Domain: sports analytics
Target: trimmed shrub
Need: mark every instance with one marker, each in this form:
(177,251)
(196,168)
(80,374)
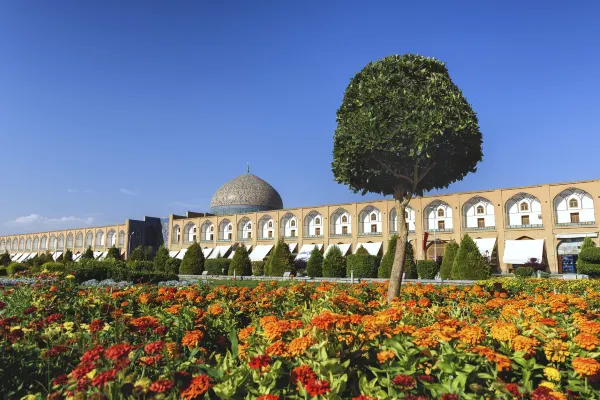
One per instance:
(151,277)
(88,255)
(113,253)
(587,268)
(160,261)
(363,265)
(361,250)
(148,253)
(469,263)
(314,266)
(524,272)
(53,266)
(3,270)
(448,260)
(68,256)
(590,255)
(410,267)
(334,265)
(218,266)
(240,263)
(172,266)
(587,243)
(92,269)
(427,269)
(140,266)
(385,267)
(193,261)
(136,255)
(15,267)
(5,259)
(280,261)
(258,268)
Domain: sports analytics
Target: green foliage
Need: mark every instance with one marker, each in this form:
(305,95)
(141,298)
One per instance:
(68,256)
(137,254)
(588,268)
(363,265)
(314,266)
(280,260)
(334,265)
(385,267)
(410,267)
(258,268)
(241,263)
(60,258)
(361,250)
(427,269)
(88,255)
(588,262)
(3,270)
(140,266)
(448,260)
(53,266)
(193,261)
(113,253)
(5,259)
(172,266)
(15,267)
(590,255)
(160,261)
(218,266)
(151,277)
(524,272)
(148,253)
(469,263)
(587,243)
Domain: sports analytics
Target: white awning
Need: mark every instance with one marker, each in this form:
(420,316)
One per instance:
(12,255)
(173,254)
(293,247)
(576,235)
(181,254)
(103,255)
(56,255)
(222,250)
(97,254)
(249,247)
(372,248)
(77,256)
(344,247)
(23,257)
(17,256)
(206,251)
(521,251)
(486,246)
(306,249)
(260,252)
(122,251)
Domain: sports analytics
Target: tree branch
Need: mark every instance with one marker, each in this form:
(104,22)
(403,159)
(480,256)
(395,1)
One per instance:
(395,173)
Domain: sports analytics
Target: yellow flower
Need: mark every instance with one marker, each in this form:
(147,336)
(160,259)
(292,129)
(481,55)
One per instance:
(68,325)
(556,351)
(144,383)
(552,374)
(106,328)
(549,385)
(70,277)
(85,327)
(558,395)
(91,374)
(29,397)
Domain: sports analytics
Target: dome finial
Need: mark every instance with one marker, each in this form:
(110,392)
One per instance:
(248,167)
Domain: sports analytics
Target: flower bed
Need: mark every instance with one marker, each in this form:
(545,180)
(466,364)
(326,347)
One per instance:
(523,338)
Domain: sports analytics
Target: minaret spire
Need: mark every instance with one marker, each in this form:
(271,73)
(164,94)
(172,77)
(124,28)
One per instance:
(248,167)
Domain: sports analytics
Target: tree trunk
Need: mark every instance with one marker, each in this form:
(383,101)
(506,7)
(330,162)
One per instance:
(398,266)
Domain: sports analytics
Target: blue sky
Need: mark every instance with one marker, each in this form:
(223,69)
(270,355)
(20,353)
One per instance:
(120,109)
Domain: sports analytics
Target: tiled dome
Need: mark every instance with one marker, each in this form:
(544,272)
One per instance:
(245,193)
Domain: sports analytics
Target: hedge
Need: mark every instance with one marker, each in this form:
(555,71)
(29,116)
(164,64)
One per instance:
(217,266)
(15,267)
(314,266)
(140,266)
(114,253)
(590,255)
(427,269)
(5,259)
(524,272)
(363,265)
(3,270)
(53,266)
(172,266)
(587,268)
(469,263)
(334,265)
(240,263)
(151,277)
(258,268)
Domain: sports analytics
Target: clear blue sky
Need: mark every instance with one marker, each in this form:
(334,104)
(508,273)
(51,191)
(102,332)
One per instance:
(118,109)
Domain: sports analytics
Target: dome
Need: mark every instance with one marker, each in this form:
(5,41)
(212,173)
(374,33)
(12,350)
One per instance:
(243,194)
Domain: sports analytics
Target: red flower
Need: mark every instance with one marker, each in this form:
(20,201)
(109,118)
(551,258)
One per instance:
(316,387)
(60,380)
(51,319)
(449,396)
(151,360)
(96,325)
(404,381)
(513,389)
(426,378)
(55,351)
(103,378)
(161,330)
(161,386)
(542,393)
(2,305)
(92,354)
(302,374)
(363,397)
(268,397)
(117,351)
(259,362)
(154,347)
(30,310)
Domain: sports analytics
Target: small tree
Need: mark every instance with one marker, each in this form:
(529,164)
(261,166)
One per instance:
(68,256)
(582,264)
(362,250)
(5,259)
(334,264)
(88,255)
(241,263)
(469,263)
(410,267)
(448,261)
(404,128)
(137,254)
(385,267)
(362,265)
(148,253)
(314,266)
(193,261)
(280,260)
(160,261)
(113,254)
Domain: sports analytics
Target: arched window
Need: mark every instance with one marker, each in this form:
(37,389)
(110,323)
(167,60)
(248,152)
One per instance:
(317,221)
(36,243)
(15,245)
(573,203)
(437,216)
(249,225)
(312,224)
(480,210)
(189,232)
(122,238)
(22,244)
(89,239)
(60,242)
(293,222)
(70,241)
(230,227)
(28,244)
(99,238)
(79,240)
(207,231)
(52,242)
(478,213)
(524,209)
(244,229)
(8,246)
(175,234)
(440,212)
(225,230)
(2,245)
(340,223)
(270,224)
(373,217)
(265,227)
(44,243)
(111,238)
(524,206)
(344,219)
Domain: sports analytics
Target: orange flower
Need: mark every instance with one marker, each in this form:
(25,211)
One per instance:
(591,327)
(300,345)
(192,339)
(174,309)
(277,349)
(525,344)
(504,331)
(502,362)
(385,355)
(197,387)
(585,366)
(556,351)
(424,303)
(586,341)
(172,349)
(145,298)
(471,335)
(245,333)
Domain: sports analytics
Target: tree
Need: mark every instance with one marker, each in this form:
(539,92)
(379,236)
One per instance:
(88,255)
(404,128)
(448,260)
(469,263)
(148,253)
(241,263)
(136,255)
(362,250)
(5,259)
(334,264)
(113,254)
(193,261)
(582,264)
(385,267)
(68,256)
(314,266)
(410,267)
(280,260)
(160,261)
